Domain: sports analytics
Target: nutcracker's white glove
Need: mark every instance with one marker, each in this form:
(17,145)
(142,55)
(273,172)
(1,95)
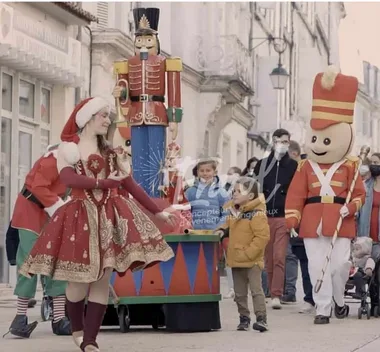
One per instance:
(293,233)
(344,212)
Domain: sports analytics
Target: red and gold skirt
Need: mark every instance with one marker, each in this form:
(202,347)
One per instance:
(82,239)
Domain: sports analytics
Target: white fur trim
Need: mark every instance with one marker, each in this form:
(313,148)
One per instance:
(89,109)
(53,208)
(51,152)
(182,207)
(328,77)
(70,152)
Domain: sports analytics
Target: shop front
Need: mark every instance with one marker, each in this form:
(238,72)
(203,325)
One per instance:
(39,70)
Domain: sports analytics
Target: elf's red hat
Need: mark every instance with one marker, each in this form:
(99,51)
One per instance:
(81,114)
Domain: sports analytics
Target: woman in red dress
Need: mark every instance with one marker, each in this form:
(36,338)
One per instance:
(98,230)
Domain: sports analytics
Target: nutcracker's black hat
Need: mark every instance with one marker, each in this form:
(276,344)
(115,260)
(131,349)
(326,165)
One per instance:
(146,20)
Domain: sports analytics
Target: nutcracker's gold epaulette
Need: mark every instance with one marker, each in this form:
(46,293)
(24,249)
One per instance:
(174,64)
(301,163)
(120,67)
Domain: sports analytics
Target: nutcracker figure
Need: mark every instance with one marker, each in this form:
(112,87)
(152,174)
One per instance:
(172,187)
(326,192)
(141,89)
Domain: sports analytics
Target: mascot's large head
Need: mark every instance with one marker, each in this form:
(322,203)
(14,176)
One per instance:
(331,135)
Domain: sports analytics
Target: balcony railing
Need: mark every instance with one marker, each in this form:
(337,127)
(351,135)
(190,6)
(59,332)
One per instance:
(226,58)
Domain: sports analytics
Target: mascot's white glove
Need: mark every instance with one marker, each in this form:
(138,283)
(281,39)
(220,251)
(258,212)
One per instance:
(219,233)
(293,233)
(344,212)
(53,208)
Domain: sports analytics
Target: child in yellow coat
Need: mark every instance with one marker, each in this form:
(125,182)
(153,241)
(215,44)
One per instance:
(247,231)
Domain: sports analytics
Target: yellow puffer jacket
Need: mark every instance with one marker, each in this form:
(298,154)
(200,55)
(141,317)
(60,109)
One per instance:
(248,232)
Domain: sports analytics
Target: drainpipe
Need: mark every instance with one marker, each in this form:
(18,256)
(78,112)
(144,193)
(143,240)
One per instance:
(91,52)
(329,34)
(78,89)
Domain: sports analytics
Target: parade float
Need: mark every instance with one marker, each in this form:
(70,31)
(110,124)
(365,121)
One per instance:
(182,294)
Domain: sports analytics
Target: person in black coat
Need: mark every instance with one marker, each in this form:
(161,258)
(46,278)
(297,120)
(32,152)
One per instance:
(275,174)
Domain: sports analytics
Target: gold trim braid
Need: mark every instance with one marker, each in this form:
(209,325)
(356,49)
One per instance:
(330,116)
(333,104)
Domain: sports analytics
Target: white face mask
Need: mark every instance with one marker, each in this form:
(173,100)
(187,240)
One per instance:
(281,149)
(363,169)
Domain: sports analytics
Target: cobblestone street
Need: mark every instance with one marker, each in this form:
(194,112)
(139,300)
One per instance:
(289,331)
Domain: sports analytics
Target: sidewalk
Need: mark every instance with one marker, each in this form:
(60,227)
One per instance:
(289,332)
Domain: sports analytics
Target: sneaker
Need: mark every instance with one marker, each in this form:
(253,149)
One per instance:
(341,312)
(244,324)
(230,294)
(276,304)
(288,299)
(306,308)
(260,325)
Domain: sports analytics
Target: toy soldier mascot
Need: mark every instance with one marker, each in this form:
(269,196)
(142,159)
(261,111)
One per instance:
(40,197)
(141,89)
(326,192)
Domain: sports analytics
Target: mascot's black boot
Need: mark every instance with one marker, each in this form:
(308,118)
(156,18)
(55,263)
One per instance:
(61,327)
(21,328)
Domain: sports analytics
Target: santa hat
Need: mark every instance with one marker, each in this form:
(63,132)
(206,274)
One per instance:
(82,114)
(334,98)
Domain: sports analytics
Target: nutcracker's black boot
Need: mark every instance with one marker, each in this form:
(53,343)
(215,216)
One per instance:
(61,327)
(21,328)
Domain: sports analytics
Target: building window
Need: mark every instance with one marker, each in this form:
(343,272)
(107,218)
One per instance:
(5,183)
(45,140)
(6,92)
(25,156)
(26,99)
(45,105)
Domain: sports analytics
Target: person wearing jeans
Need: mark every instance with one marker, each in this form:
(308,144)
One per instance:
(299,251)
(291,264)
(291,276)
(274,174)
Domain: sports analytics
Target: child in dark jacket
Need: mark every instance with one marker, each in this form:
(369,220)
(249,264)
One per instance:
(207,197)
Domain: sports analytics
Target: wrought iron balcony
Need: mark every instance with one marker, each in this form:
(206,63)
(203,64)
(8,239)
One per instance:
(227,65)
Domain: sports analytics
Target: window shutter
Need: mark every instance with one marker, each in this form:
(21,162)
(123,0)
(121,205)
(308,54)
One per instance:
(102,14)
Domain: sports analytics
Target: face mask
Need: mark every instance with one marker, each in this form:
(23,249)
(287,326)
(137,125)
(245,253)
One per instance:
(281,149)
(363,170)
(375,170)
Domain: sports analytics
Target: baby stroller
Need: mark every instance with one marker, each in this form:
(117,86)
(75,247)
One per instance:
(369,299)
(47,302)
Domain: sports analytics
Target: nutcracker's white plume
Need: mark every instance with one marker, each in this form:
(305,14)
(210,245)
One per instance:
(329,76)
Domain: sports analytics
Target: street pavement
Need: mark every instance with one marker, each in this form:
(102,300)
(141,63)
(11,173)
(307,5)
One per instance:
(289,332)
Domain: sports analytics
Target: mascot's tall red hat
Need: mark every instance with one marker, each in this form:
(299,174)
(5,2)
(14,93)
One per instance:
(334,98)
(81,114)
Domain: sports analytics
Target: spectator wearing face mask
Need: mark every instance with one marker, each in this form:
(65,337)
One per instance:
(275,174)
(233,175)
(364,171)
(250,167)
(296,251)
(368,217)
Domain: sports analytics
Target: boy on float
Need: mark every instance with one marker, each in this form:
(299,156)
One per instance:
(317,195)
